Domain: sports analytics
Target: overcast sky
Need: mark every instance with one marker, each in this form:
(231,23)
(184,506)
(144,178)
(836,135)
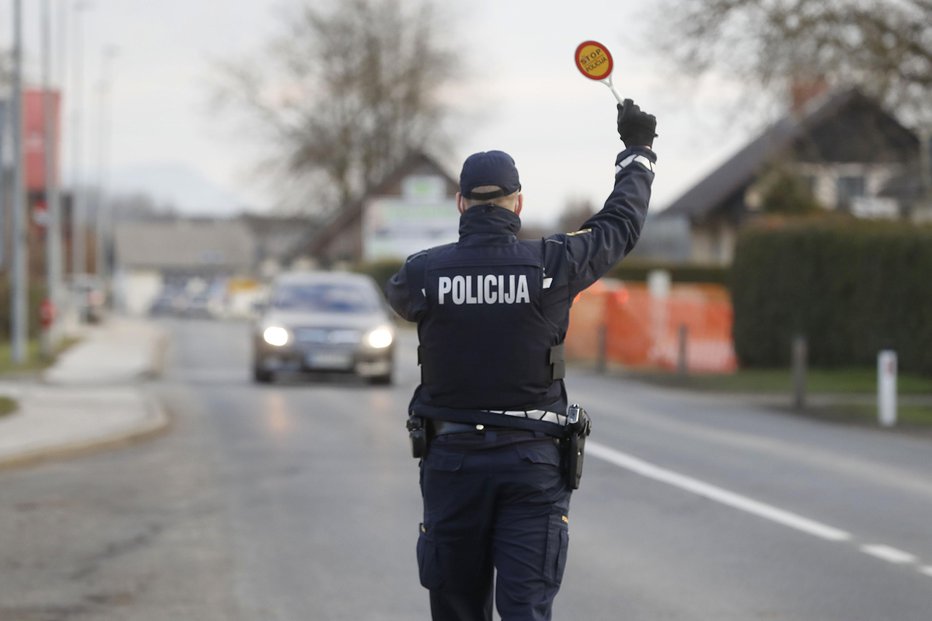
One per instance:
(523,95)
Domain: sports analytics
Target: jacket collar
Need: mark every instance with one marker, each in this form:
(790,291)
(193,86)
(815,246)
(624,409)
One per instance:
(488,220)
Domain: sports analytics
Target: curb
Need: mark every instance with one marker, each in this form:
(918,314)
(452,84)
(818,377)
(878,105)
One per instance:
(156,422)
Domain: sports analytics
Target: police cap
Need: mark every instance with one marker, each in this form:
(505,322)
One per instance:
(489,168)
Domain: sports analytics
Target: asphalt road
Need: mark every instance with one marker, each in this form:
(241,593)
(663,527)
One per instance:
(298,501)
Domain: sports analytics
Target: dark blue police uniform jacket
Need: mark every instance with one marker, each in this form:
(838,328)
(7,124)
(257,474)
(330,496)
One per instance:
(492,314)
(492,310)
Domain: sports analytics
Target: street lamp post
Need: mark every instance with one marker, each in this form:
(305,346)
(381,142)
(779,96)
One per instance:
(78,249)
(52,194)
(104,92)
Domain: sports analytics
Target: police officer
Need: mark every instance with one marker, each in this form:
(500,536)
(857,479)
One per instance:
(492,313)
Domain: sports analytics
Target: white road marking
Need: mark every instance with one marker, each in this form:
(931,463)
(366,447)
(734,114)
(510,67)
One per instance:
(891,555)
(749,505)
(718,494)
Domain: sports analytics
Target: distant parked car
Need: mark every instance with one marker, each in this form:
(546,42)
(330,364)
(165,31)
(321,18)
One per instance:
(324,321)
(196,298)
(170,301)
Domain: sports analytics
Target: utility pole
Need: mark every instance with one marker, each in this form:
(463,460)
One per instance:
(4,110)
(52,193)
(20,284)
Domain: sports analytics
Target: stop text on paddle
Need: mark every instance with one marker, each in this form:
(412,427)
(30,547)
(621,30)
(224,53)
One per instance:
(595,62)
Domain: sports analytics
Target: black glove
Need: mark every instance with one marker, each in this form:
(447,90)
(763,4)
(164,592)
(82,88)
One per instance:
(635,126)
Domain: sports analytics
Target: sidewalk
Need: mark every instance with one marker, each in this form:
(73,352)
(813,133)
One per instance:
(91,397)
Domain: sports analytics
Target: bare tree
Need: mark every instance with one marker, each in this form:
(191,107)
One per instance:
(345,93)
(882,46)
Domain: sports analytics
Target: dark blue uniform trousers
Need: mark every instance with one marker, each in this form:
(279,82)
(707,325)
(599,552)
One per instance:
(493,501)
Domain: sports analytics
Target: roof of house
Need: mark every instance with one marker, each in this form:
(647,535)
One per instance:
(792,131)
(187,245)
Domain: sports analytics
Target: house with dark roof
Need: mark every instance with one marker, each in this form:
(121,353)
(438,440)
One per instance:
(849,151)
(413,208)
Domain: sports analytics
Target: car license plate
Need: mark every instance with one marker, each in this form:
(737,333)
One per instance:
(329,360)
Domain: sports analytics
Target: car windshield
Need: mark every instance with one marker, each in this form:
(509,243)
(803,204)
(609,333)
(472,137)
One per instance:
(325,298)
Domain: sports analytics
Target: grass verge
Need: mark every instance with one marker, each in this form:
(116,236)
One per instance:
(776,381)
(908,414)
(840,395)
(33,364)
(34,361)
(7,406)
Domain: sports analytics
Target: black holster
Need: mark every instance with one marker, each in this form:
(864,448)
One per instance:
(574,446)
(417,431)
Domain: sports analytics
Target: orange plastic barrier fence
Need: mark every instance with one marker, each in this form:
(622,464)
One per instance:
(644,331)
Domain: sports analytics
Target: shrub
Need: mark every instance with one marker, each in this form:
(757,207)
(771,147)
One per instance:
(851,288)
(36,295)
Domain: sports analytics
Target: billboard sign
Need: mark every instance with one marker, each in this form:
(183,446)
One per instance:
(425,215)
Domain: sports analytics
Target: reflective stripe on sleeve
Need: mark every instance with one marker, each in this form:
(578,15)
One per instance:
(640,159)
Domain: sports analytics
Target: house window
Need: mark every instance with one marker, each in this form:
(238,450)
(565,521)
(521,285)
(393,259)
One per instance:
(848,188)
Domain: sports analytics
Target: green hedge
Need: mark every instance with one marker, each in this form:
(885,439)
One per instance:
(851,288)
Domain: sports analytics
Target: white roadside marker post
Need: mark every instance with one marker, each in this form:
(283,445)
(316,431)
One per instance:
(886,388)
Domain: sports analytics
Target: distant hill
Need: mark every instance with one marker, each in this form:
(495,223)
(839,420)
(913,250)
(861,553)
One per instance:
(179,186)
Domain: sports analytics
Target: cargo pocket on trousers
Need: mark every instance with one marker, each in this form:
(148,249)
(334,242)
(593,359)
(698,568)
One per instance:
(428,564)
(558,540)
(539,453)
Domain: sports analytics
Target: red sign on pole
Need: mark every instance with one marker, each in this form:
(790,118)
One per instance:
(34,136)
(46,313)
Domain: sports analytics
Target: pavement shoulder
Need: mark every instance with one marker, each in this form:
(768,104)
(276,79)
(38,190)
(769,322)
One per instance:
(122,350)
(93,396)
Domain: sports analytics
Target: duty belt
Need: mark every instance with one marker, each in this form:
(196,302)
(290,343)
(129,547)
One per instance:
(442,428)
(541,415)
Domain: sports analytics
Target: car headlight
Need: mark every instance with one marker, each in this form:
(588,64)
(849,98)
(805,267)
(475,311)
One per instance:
(275,336)
(380,338)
